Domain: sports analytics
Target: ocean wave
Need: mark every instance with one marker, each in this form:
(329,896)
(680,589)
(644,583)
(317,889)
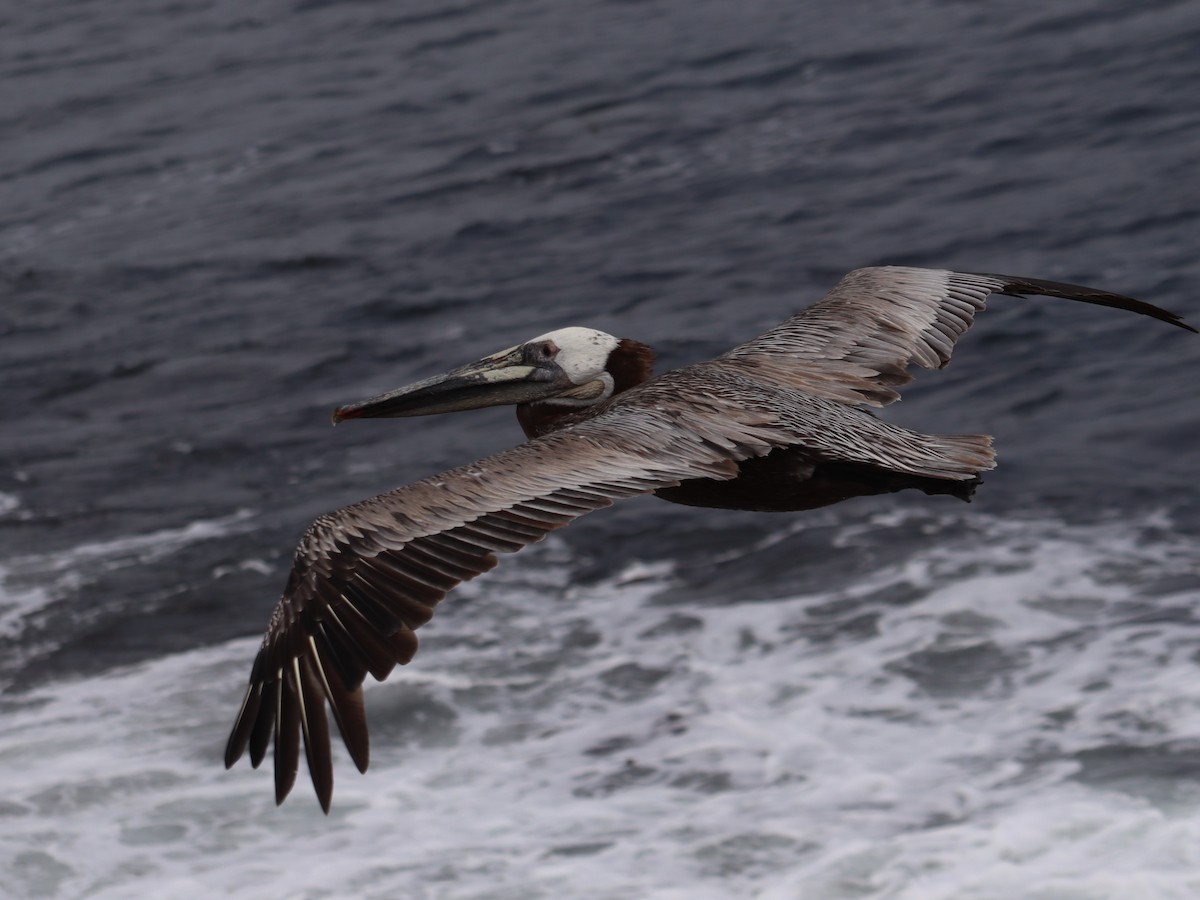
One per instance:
(1009,709)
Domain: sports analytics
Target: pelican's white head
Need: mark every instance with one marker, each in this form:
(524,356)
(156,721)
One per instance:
(580,352)
(581,355)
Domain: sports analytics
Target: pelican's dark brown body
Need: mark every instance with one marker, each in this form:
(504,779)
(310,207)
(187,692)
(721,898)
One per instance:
(790,481)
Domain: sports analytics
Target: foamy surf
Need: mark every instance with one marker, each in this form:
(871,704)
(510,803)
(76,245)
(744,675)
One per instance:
(951,726)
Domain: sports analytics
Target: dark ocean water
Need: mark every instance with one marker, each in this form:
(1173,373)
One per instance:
(220,220)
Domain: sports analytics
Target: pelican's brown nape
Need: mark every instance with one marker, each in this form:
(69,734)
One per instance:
(774,424)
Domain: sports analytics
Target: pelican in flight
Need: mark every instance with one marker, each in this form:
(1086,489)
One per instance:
(779,423)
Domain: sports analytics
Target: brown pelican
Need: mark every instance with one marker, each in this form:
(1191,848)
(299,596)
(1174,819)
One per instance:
(777,423)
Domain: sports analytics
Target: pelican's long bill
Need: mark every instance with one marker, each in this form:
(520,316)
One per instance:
(509,377)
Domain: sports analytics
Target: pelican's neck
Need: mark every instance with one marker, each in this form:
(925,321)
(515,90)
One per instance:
(630,364)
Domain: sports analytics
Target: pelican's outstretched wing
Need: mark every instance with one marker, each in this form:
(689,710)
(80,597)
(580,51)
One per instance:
(367,576)
(856,343)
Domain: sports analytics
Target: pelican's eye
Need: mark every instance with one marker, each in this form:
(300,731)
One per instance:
(543,351)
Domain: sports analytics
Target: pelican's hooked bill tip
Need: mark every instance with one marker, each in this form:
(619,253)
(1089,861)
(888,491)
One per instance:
(342,413)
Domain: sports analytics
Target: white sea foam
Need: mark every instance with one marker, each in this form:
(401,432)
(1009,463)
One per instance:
(1015,716)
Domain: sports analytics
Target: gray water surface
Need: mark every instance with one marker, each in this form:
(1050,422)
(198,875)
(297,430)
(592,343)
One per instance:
(220,220)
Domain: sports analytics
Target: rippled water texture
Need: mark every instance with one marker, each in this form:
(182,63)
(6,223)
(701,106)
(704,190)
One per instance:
(220,220)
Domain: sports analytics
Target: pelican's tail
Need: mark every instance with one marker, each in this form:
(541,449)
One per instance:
(937,464)
(958,457)
(833,432)
(945,464)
